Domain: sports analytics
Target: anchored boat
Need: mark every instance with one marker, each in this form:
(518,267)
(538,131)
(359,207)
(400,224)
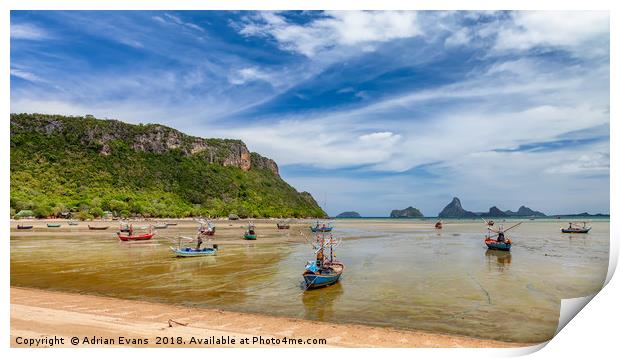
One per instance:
(53,225)
(324,270)
(439,225)
(97,227)
(250,233)
(24,227)
(131,236)
(321,227)
(498,241)
(576,229)
(193,251)
(283,226)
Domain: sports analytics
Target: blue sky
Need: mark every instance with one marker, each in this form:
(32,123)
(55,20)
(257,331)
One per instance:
(368,111)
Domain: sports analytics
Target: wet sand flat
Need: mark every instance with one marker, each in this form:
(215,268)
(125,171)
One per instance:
(37,313)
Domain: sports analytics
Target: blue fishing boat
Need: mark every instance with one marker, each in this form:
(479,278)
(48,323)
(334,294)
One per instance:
(576,229)
(321,227)
(192,252)
(324,270)
(495,245)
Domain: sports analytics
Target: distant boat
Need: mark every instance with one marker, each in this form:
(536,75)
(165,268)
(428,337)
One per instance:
(53,225)
(283,226)
(576,229)
(24,227)
(321,227)
(439,225)
(160,226)
(191,251)
(73,223)
(172,224)
(250,233)
(97,227)
(206,228)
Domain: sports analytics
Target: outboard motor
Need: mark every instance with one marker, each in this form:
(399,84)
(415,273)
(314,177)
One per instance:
(215,246)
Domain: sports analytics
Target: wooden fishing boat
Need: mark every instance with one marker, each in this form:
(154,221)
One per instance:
(24,227)
(502,242)
(139,237)
(576,229)
(53,225)
(192,252)
(160,226)
(438,225)
(324,270)
(206,228)
(171,224)
(73,223)
(250,233)
(323,277)
(283,226)
(318,227)
(97,227)
(497,245)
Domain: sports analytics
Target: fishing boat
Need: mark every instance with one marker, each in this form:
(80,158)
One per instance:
(24,227)
(139,237)
(131,236)
(439,225)
(160,226)
(192,251)
(498,241)
(73,223)
(53,225)
(283,226)
(321,227)
(171,224)
(576,229)
(97,227)
(324,270)
(206,228)
(250,233)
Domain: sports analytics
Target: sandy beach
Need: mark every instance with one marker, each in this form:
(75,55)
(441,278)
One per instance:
(38,314)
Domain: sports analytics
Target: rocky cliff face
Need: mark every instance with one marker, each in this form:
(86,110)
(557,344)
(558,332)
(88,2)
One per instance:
(495,212)
(151,138)
(409,212)
(455,210)
(524,211)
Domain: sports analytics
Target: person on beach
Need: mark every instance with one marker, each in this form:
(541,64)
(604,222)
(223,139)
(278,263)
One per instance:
(198,241)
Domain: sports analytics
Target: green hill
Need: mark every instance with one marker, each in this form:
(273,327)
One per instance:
(87,166)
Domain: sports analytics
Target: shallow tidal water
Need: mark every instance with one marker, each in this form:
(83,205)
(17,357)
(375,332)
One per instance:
(399,273)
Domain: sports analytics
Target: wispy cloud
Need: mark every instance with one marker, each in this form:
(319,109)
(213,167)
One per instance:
(25,31)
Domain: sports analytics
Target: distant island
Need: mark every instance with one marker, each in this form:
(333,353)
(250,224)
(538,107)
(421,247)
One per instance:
(455,210)
(409,212)
(349,214)
(83,167)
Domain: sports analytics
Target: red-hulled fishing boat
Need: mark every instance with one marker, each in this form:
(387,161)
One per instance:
(131,236)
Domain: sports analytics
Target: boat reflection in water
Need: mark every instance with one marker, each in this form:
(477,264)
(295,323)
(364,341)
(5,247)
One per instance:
(319,304)
(500,259)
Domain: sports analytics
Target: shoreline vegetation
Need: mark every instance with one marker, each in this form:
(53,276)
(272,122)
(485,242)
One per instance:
(85,168)
(36,313)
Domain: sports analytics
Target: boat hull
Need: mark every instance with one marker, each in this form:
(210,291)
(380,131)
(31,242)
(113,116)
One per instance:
(575,231)
(249,237)
(24,227)
(97,227)
(135,237)
(495,245)
(321,229)
(318,280)
(283,227)
(53,225)
(189,252)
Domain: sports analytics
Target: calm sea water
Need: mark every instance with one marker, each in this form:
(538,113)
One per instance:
(401,274)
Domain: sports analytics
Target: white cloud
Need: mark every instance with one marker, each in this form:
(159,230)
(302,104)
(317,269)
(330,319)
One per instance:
(248,74)
(553,28)
(336,28)
(27,32)
(25,75)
